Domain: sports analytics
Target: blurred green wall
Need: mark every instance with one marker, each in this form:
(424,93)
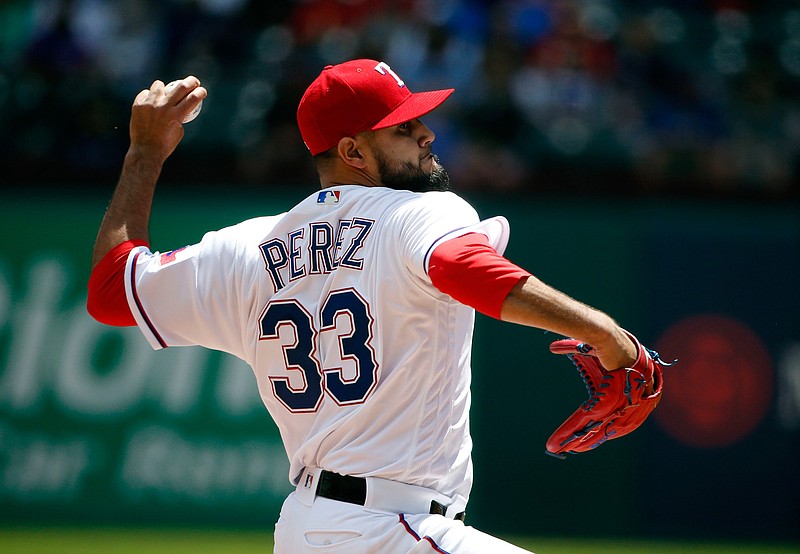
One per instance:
(97,428)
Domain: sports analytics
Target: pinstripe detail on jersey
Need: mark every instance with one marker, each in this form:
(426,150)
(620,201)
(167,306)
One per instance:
(132,277)
(433,246)
(495,229)
(416,536)
(469,270)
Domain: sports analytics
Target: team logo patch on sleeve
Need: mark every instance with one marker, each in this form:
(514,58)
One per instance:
(170,256)
(328,197)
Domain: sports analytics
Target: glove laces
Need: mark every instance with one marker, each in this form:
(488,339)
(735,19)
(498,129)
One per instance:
(657,358)
(592,390)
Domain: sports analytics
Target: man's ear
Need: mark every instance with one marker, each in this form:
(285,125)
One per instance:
(349,153)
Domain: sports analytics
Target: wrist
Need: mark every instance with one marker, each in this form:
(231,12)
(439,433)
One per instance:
(143,156)
(141,170)
(617,349)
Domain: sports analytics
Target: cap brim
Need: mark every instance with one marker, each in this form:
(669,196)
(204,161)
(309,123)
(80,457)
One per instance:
(416,105)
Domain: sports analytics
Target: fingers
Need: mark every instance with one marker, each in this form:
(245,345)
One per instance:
(158,113)
(186,96)
(177,91)
(141,97)
(174,100)
(196,96)
(190,82)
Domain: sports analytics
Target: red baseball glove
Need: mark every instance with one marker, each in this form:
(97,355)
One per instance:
(619,401)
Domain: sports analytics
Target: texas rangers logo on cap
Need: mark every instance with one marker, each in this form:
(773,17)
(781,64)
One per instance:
(328,197)
(356,96)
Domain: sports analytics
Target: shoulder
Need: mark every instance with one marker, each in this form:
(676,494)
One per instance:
(426,217)
(254,226)
(237,238)
(435,198)
(437,204)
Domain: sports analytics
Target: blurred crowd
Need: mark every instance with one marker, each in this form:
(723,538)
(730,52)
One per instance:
(652,96)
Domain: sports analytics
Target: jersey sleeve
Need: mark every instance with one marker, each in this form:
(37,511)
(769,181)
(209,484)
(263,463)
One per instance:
(469,270)
(106,301)
(195,295)
(435,218)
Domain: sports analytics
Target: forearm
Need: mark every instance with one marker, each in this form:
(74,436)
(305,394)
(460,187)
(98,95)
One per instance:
(128,213)
(533,303)
(469,270)
(155,131)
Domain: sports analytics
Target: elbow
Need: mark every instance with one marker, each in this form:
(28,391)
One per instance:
(107,301)
(108,310)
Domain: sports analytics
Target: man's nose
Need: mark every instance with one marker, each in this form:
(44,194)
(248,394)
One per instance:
(425,135)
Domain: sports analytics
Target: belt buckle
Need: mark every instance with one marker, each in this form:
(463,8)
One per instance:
(306,489)
(437,508)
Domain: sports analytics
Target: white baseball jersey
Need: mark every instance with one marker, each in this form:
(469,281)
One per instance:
(363,364)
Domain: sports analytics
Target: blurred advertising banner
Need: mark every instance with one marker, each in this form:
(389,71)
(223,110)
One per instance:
(92,416)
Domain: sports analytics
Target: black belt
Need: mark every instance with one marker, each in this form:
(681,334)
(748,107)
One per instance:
(353,490)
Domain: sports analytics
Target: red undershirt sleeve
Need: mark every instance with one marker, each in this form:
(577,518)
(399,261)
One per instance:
(107,302)
(472,272)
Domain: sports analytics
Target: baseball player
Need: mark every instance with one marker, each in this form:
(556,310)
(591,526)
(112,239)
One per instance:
(354,309)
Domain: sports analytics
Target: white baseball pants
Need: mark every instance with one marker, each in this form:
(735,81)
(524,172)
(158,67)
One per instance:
(317,525)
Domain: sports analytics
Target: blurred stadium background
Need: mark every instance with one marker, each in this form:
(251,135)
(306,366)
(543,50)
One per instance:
(681,96)
(672,127)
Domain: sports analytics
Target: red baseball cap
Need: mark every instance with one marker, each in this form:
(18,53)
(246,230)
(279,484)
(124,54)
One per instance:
(357,96)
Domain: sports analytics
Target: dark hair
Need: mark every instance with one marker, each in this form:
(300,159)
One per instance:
(324,159)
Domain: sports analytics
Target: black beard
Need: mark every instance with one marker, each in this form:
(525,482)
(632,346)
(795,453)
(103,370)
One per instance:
(411,177)
(439,179)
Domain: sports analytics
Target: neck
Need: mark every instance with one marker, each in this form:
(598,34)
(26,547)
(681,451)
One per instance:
(347,176)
